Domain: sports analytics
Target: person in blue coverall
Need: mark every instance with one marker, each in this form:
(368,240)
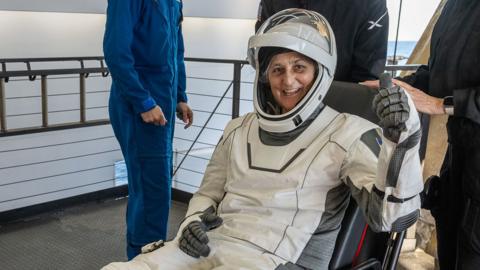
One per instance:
(143,48)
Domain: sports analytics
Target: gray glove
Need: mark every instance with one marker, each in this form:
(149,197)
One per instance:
(391,106)
(194,239)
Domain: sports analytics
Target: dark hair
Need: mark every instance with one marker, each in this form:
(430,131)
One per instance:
(266,54)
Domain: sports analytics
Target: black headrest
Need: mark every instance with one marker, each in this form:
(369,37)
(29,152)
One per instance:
(352,98)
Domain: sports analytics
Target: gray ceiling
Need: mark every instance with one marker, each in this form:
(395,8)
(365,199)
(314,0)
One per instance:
(237,9)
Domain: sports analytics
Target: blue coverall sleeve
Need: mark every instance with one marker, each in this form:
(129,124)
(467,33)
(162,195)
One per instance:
(122,16)
(182,80)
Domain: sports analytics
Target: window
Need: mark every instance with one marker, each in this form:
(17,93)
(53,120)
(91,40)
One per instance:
(414,17)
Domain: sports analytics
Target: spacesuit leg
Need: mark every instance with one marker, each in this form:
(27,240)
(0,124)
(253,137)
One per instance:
(229,253)
(168,257)
(226,253)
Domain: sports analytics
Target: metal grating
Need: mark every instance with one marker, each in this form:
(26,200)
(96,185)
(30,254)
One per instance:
(88,236)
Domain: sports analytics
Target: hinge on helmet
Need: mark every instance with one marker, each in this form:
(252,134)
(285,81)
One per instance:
(297,120)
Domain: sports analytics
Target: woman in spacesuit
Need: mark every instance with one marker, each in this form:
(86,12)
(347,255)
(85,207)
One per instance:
(279,181)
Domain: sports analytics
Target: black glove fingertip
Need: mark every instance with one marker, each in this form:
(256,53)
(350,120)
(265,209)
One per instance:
(385,80)
(205,251)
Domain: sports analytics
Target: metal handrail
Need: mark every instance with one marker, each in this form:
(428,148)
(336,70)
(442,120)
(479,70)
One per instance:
(50,59)
(83,73)
(4,73)
(409,67)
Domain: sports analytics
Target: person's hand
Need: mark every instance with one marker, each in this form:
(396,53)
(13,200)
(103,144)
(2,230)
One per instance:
(391,106)
(423,102)
(373,84)
(154,116)
(185,114)
(194,238)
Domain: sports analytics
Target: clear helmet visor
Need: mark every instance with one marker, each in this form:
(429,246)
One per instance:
(308,70)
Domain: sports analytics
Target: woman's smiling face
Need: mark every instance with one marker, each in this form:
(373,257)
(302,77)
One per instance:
(290,76)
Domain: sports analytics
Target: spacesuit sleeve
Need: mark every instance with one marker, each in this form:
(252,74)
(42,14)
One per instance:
(122,16)
(370,52)
(212,189)
(385,178)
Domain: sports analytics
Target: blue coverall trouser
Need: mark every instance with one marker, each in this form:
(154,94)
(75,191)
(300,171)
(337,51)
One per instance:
(147,150)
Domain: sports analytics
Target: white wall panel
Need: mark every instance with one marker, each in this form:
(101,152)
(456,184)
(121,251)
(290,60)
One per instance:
(60,117)
(52,196)
(236,9)
(52,184)
(98,83)
(84,6)
(54,150)
(44,169)
(64,102)
(95,114)
(217,38)
(23,106)
(244,9)
(24,121)
(63,84)
(41,167)
(11,144)
(44,34)
(21,87)
(97,99)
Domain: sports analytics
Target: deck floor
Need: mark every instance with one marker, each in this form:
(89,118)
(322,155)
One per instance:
(83,237)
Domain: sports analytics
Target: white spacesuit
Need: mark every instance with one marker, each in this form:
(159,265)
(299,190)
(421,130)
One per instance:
(281,182)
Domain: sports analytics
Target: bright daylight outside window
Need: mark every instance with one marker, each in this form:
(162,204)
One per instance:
(414,17)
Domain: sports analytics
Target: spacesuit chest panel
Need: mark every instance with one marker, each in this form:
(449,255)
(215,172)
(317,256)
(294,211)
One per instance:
(273,169)
(277,158)
(278,193)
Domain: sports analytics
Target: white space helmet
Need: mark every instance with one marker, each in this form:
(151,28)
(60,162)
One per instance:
(307,33)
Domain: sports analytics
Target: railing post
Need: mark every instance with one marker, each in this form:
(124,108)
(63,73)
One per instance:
(82,98)
(3,117)
(44,101)
(237,68)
